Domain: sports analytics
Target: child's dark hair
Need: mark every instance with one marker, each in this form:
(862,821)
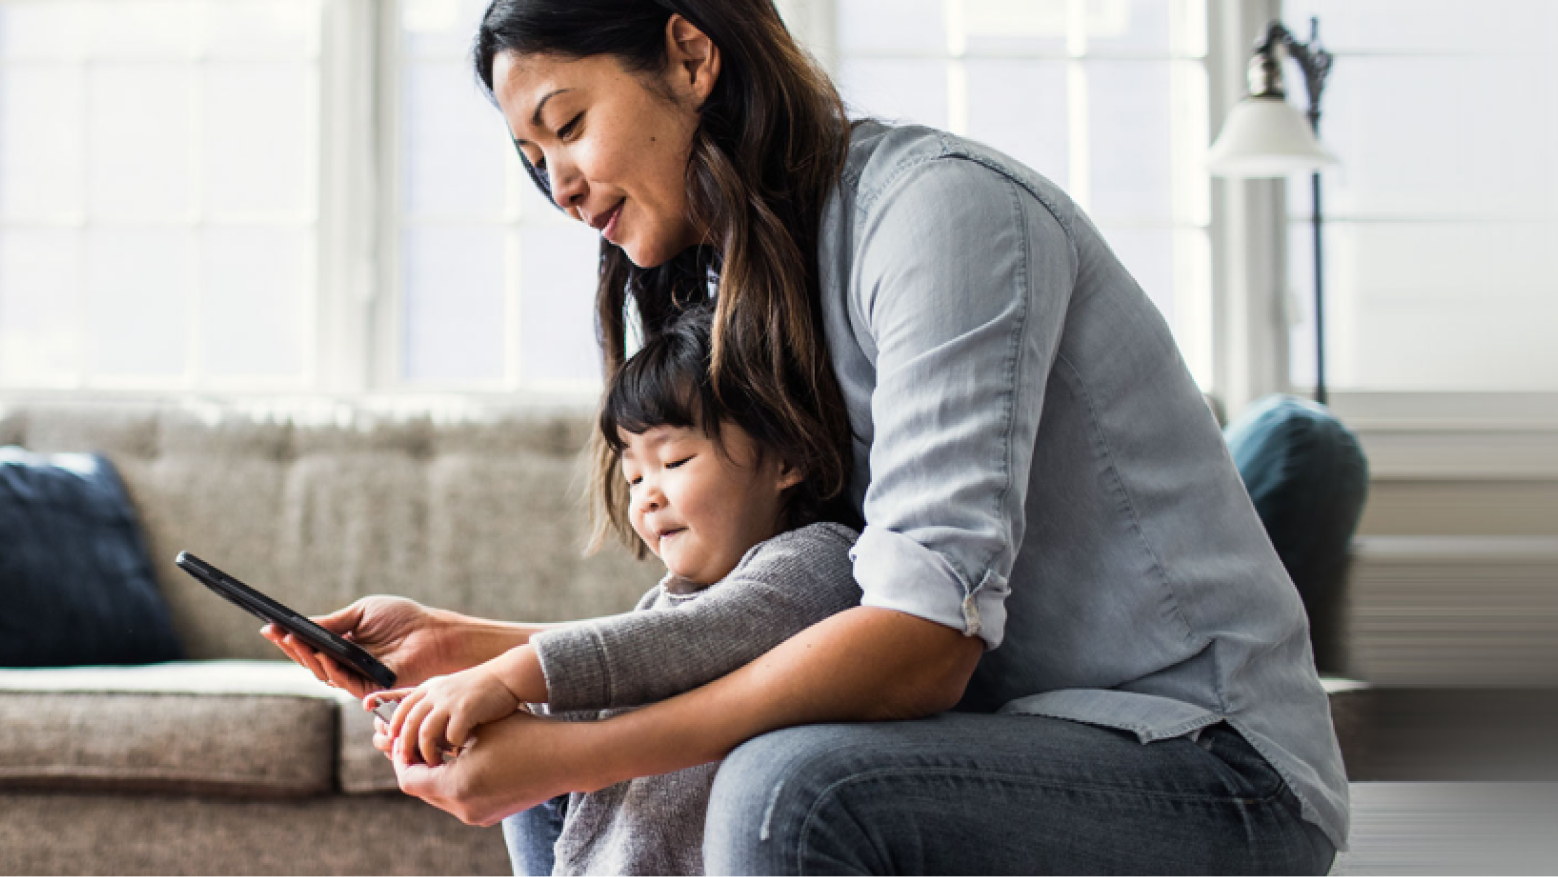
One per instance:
(667,383)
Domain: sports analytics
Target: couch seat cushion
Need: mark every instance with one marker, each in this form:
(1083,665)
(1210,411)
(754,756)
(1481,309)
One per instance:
(215,727)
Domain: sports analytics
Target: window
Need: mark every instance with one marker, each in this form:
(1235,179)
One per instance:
(159,194)
(494,287)
(315,196)
(1108,98)
(1442,213)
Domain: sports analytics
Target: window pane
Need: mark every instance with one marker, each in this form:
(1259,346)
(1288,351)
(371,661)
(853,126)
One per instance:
(894,90)
(138,294)
(1020,107)
(557,304)
(891,26)
(1134,26)
(41,112)
(41,30)
(1131,139)
(160,29)
(440,28)
(1495,157)
(40,300)
(455,143)
(1429,306)
(255,287)
(139,149)
(262,28)
(248,174)
(1016,26)
(454,309)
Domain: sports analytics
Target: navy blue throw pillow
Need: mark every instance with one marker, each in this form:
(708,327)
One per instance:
(75,581)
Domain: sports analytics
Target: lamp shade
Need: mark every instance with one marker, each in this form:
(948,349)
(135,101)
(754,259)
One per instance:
(1265,137)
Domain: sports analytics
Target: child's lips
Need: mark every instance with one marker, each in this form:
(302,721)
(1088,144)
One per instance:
(667,534)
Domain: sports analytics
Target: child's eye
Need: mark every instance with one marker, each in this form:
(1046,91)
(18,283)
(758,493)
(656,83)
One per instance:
(675,464)
(567,131)
(633,482)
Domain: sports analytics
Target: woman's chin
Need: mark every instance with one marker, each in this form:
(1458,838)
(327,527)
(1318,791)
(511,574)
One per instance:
(645,257)
(653,253)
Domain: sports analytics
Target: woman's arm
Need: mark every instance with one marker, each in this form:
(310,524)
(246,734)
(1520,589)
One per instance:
(411,639)
(864,664)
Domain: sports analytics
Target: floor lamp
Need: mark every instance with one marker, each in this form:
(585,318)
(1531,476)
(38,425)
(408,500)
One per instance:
(1264,136)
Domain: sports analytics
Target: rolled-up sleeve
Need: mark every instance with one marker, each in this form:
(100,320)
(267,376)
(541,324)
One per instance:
(962,281)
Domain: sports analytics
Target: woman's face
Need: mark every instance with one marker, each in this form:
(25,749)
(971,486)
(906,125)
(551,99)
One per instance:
(614,143)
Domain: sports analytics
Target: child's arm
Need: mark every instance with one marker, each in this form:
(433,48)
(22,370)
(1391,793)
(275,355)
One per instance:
(442,712)
(796,580)
(792,582)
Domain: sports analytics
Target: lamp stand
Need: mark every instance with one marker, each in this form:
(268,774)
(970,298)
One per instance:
(1315,63)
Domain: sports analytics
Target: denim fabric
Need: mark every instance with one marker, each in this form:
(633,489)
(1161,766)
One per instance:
(1036,466)
(1035,796)
(1308,478)
(531,836)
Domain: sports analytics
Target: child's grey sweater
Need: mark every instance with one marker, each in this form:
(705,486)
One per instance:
(676,639)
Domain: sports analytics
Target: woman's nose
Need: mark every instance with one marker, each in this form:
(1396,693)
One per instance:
(568,186)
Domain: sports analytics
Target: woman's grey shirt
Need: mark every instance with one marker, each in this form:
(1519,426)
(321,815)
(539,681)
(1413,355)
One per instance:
(1036,467)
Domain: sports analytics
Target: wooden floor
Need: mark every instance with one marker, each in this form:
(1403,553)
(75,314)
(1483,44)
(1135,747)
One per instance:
(1452,828)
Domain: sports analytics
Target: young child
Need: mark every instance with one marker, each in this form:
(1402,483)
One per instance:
(733,519)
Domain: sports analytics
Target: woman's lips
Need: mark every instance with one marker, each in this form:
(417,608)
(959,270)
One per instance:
(609,230)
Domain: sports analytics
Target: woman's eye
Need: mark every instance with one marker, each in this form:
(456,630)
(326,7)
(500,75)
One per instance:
(567,131)
(674,464)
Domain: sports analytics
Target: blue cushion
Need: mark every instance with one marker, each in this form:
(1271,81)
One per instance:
(75,580)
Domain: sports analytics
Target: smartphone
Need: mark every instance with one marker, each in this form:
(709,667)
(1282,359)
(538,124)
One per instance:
(346,653)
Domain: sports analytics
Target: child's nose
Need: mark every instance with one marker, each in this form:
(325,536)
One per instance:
(650,498)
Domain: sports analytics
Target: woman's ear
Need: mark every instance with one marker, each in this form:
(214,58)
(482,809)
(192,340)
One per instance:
(693,61)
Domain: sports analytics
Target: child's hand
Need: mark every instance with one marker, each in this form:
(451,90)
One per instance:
(441,713)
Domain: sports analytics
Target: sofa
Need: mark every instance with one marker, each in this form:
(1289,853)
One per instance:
(232,761)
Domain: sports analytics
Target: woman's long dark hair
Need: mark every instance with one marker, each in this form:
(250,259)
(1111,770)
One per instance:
(770,145)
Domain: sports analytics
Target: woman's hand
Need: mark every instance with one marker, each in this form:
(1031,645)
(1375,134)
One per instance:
(514,764)
(412,640)
(441,713)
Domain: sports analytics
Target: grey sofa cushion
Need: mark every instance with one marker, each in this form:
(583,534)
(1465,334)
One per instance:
(361,769)
(81,833)
(251,728)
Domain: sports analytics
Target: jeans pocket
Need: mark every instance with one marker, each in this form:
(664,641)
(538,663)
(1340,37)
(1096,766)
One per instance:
(1249,771)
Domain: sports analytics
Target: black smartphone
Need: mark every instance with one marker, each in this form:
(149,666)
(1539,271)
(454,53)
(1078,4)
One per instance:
(346,653)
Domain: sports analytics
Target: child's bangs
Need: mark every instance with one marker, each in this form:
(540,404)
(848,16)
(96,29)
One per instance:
(664,385)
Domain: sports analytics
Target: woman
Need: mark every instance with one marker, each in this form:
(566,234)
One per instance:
(1055,544)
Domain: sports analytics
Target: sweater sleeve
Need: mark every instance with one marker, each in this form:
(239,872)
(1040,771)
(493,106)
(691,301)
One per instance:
(779,589)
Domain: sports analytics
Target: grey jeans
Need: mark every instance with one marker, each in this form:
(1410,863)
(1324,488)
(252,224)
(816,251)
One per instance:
(964,793)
